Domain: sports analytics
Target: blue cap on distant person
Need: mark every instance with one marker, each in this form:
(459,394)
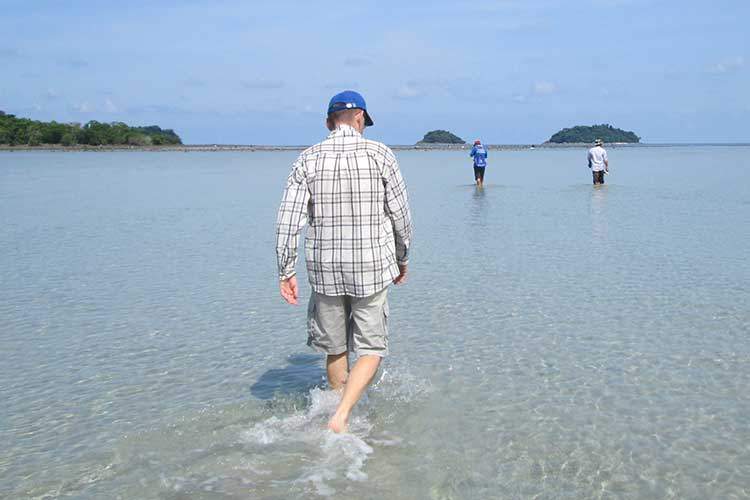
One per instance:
(349,99)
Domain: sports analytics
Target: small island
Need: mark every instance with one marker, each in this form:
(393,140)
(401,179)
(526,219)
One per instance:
(441,137)
(16,131)
(587,134)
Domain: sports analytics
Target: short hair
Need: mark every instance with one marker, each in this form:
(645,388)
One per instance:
(345,115)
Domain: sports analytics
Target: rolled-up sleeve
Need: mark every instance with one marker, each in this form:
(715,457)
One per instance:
(397,209)
(291,219)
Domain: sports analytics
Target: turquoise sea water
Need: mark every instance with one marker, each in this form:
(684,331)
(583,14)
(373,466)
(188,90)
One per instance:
(555,340)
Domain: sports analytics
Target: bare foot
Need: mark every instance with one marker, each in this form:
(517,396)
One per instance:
(339,423)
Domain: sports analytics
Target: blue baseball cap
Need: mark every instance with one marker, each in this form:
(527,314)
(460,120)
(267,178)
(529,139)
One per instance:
(349,99)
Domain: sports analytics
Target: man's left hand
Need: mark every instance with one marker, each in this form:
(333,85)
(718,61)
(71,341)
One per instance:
(401,278)
(289,290)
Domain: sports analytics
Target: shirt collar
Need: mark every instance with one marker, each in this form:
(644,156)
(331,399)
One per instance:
(344,130)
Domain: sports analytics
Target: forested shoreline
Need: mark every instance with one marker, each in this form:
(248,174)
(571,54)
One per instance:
(15,131)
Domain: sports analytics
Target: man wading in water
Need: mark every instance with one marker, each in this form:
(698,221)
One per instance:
(598,161)
(350,191)
(479,153)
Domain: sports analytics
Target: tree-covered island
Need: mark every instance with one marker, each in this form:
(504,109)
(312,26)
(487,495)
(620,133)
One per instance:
(441,137)
(16,131)
(587,134)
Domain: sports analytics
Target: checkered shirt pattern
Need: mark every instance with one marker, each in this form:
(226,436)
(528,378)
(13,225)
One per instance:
(351,192)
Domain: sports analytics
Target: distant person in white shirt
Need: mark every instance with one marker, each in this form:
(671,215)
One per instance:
(598,162)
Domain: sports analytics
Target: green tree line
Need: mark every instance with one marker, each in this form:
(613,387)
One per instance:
(16,131)
(581,133)
(441,137)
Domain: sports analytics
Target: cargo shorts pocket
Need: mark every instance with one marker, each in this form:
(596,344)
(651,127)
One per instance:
(377,343)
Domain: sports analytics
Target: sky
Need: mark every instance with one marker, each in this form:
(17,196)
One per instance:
(262,72)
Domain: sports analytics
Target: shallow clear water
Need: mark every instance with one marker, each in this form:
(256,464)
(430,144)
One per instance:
(554,341)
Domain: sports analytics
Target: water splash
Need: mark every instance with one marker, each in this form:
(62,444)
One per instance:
(328,456)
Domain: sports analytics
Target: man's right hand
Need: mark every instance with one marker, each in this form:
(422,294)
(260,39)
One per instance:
(401,278)
(289,289)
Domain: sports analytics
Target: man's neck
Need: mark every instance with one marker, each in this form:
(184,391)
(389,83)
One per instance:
(347,126)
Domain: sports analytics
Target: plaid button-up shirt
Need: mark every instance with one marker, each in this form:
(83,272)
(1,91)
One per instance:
(350,191)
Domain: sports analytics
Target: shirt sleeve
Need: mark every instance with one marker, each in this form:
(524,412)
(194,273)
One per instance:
(291,219)
(473,152)
(397,209)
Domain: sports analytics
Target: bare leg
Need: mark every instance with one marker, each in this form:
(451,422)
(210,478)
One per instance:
(337,369)
(359,378)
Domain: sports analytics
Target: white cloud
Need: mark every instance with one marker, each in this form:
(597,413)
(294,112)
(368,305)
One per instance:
(611,3)
(408,91)
(262,84)
(193,82)
(87,107)
(74,63)
(538,89)
(357,61)
(9,52)
(110,107)
(84,107)
(342,85)
(728,65)
(544,88)
(158,109)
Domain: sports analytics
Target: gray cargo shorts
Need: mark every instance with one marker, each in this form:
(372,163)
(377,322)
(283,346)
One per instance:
(337,324)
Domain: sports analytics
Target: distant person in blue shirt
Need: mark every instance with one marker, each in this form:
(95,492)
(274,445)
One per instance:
(479,153)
